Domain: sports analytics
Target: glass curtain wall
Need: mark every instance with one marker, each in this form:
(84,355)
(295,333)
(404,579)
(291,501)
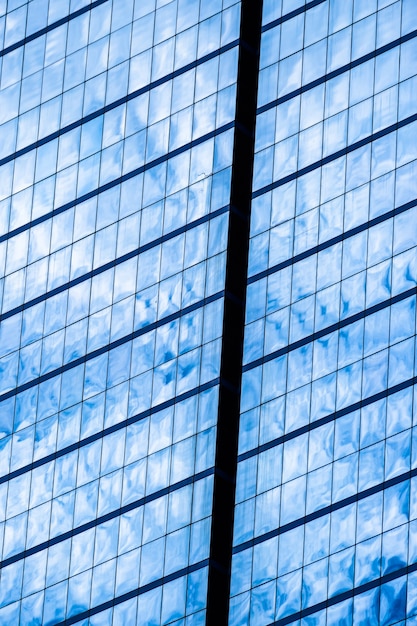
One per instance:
(326,502)
(116,118)
(117,135)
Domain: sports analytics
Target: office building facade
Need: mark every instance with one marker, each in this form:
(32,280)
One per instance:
(325,502)
(207,333)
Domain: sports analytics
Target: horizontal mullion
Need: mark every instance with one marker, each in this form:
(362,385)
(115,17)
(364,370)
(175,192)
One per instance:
(347,321)
(289,16)
(47,29)
(333,241)
(107,517)
(327,510)
(337,72)
(112,345)
(336,155)
(114,263)
(135,593)
(108,431)
(346,595)
(116,103)
(118,181)
(386,393)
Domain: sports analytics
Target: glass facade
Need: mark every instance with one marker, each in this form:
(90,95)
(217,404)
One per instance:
(117,126)
(325,524)
(122,182)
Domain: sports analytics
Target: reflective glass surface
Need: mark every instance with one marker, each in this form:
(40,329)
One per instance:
(325,496)
(117,119)
(118,161)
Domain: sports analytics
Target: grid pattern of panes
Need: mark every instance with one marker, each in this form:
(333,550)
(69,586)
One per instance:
(115,165)
(326,501)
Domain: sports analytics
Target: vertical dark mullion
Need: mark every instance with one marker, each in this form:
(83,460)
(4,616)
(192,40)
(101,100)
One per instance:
(234,316)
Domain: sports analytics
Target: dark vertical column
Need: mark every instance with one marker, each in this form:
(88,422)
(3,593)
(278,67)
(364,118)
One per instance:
(234,316)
